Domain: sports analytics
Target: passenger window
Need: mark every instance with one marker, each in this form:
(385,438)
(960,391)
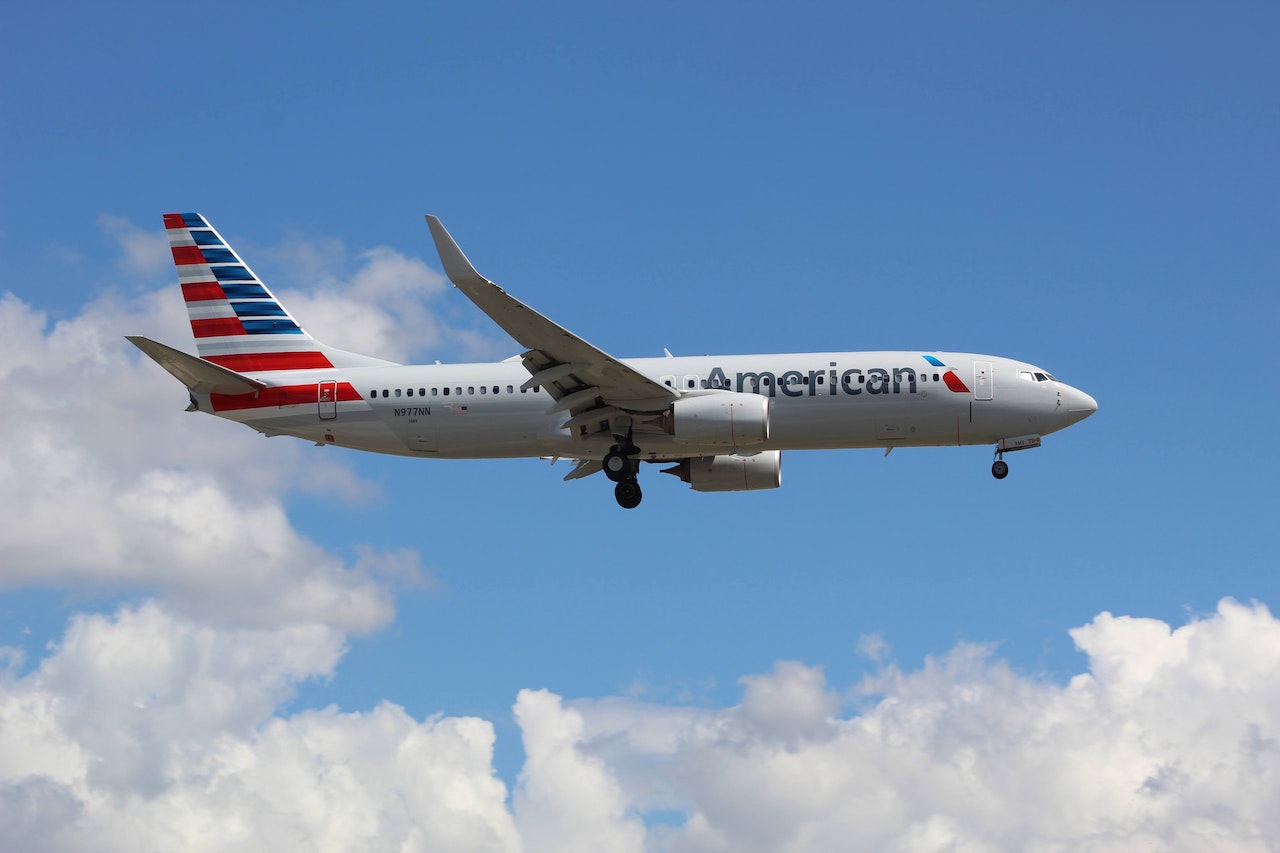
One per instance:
(458,390)
(435,392)
(483,389)
(508,389)
(397,392)
(410,392)
(446,392)
(471,389)
(385,392)
(422,392)
(373,394)
(495,389)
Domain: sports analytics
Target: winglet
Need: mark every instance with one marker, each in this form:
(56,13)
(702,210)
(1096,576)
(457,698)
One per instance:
(456,265)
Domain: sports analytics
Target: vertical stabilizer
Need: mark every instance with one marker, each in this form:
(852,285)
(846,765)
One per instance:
(236,320)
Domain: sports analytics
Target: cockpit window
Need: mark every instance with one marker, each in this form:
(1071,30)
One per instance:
(1026,374)
(1040,377)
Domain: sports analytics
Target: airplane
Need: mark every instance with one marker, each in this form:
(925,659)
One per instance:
(720,422)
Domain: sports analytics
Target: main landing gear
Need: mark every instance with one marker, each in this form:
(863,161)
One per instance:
(628,494)
(620,465)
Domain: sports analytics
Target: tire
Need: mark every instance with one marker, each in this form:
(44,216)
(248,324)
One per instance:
(617,467)
(1000,469)
(628,494)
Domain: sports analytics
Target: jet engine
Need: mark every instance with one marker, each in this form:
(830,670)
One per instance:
(729,419)
(732,472)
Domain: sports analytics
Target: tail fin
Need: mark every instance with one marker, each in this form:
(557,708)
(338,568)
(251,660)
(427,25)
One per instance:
(237,322)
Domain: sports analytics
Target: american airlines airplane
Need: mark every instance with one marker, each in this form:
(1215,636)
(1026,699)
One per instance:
(720,422)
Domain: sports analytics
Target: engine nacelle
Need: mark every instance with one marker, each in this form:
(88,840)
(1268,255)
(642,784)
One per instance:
(727,419)
(732,472)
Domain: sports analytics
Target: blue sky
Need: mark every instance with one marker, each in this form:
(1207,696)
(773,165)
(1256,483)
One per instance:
(1092,189)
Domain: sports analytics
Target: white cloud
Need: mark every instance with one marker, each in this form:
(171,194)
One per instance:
(145,250)
(1170,741)
(108,484)
(567,800)
(149,728)
(383,307)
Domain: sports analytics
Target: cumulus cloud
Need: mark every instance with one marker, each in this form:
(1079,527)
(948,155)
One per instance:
(1171,740)
(109,485)
(144,250)
(381,303)
(149,728)
(567,800)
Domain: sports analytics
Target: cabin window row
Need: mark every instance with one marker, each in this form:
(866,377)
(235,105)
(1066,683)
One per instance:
(447,391)
(669,381)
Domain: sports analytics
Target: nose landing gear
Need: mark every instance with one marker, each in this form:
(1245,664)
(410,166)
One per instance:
(1000,468)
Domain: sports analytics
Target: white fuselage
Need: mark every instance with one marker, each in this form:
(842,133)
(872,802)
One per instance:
(817,401)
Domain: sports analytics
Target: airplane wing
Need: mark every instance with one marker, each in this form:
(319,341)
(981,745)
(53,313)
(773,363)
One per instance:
(586,382)
(203,377)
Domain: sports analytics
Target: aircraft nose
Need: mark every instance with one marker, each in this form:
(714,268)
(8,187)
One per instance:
(1079,404)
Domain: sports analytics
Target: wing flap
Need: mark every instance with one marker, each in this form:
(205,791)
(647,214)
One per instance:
(584,468)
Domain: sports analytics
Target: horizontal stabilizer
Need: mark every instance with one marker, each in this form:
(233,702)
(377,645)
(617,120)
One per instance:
(203,377)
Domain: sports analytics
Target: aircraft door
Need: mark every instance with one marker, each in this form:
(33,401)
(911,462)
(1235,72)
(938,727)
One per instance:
(984,385)
(327,399)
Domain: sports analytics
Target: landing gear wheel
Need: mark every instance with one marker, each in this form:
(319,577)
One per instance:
(617,466)
(999,469)
(628,493)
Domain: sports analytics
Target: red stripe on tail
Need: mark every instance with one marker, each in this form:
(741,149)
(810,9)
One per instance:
(217,327)
(202,291)
(249,362)
(183,255)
